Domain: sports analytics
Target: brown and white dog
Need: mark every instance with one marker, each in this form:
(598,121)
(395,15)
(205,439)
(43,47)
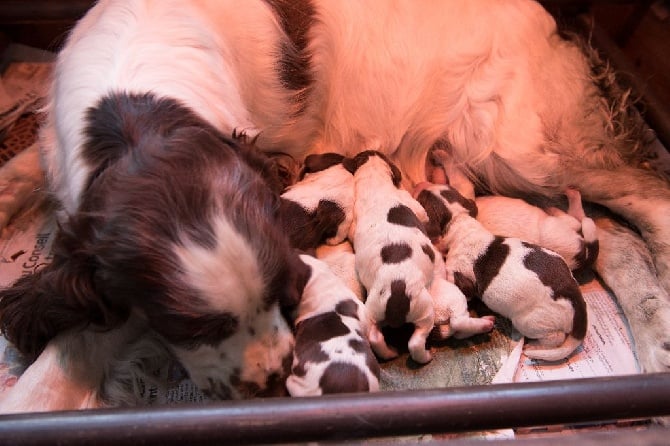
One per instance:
(332,340)
(531,286)
(319,76)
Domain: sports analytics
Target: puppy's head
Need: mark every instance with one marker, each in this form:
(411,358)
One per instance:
(318,162)
(442,203)
(178,226)
(355,163)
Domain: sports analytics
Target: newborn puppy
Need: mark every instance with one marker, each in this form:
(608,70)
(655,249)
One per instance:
(332,353)
(571,235)
(342,262)
(530,285)
(394,257)
(318,208)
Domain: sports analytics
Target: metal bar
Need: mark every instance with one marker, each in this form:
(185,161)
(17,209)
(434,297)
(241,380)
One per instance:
(338,417)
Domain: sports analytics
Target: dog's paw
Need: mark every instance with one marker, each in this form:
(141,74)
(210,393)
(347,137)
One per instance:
(653,341)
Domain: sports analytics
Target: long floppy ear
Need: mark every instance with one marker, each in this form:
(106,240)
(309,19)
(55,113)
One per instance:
(59,297)
(318,162)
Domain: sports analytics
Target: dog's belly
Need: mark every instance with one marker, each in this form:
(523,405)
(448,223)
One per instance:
(389,84)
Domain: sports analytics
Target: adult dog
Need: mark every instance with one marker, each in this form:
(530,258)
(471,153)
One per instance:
(522,110)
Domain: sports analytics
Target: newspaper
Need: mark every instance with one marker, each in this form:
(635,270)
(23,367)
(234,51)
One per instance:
(25,72)
(607,349)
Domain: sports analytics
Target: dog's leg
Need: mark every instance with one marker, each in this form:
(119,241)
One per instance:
(575,207)
(626,267)
(423,317)
(70,372)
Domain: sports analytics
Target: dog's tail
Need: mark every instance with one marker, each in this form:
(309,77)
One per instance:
(590,247)
(59,297)
(556,353)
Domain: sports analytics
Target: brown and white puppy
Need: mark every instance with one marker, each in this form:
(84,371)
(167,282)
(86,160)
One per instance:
(332,347)
(572,234)
(530,285)
(394,257)
(318,208)
(342,262)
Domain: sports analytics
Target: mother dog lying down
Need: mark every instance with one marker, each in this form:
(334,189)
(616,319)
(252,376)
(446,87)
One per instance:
(522,110)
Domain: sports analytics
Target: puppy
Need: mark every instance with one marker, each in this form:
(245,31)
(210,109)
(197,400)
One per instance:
(531,286)
(342,262)
(394,258)
(318,209)
(571,235)
(332,351)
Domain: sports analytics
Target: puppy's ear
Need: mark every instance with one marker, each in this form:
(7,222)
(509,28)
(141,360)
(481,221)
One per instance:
(298,276)
(352,164)
(318,162)
(59,297)
(396,175)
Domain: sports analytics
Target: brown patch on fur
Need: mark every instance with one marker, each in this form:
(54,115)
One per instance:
(353,164)
(403,216)
(438,214)
(429,251)
(348,308)
(309,229)
(397,306)
(555,274)
(396,253)
(340,377)
(487,266)
(318,162)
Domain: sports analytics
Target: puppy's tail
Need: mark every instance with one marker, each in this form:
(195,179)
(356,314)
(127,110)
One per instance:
(556,353)
(590,247)
(59,297)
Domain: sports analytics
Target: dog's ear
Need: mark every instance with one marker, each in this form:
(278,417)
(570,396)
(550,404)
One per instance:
(318,162)
(59,297)
(299,274)
(396,175)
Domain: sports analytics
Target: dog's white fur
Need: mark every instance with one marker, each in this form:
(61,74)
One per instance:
(348,349)
(398,76)
(535,308)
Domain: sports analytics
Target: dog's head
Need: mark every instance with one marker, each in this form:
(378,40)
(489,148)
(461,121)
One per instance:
(373,157)
(442,203)
(178,224)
